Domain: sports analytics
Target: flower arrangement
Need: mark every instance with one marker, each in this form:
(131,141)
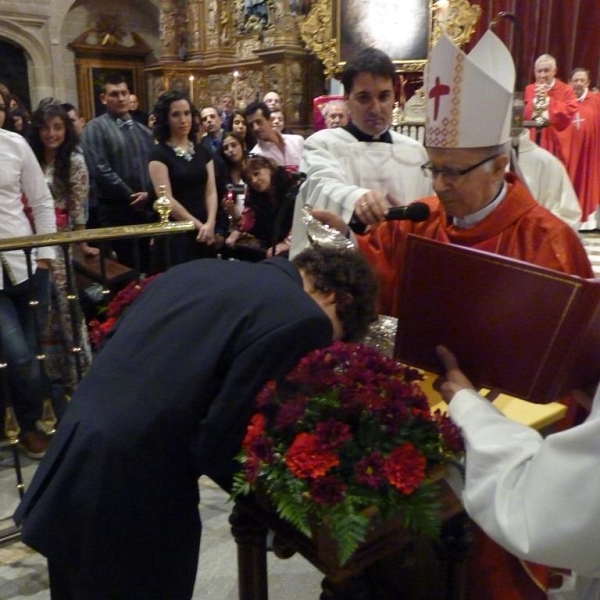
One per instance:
(116,307)
(347,441)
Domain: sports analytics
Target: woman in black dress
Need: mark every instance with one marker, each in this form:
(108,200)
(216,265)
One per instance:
(187,171)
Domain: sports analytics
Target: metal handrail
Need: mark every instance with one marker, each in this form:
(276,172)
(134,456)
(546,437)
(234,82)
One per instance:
(94,235)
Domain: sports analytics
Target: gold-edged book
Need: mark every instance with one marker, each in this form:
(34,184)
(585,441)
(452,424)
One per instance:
(524,330)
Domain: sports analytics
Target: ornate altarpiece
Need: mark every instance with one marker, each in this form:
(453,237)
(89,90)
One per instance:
(248,47)
(213,47)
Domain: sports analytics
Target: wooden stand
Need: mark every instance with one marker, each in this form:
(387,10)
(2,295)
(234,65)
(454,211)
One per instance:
(251,519)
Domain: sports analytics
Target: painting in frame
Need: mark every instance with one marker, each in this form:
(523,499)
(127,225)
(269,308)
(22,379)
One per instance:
(401,29)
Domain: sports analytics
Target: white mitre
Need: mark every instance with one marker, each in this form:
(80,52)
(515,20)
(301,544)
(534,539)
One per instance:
(469,97)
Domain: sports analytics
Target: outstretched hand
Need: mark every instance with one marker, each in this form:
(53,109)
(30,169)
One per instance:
(455,380)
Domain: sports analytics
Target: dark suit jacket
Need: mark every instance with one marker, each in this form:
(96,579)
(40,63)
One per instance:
(168,399)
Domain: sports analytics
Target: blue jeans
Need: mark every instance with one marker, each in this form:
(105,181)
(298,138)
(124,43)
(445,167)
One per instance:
(18,345)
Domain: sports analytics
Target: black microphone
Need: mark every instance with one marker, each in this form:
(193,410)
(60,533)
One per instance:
(297,177)
(416,212)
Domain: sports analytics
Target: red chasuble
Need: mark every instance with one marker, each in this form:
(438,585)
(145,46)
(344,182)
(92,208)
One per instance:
(563,106)
(583,162)
(518,228)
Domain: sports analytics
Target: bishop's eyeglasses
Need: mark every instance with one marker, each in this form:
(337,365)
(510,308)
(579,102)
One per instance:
(453,175)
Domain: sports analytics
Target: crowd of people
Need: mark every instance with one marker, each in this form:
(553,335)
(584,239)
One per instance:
(242,178)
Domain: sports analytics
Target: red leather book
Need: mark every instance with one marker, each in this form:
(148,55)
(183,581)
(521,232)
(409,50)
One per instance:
(530,332)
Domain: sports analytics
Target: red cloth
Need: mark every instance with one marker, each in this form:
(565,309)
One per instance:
(519,228)
(563,105)
(584,153)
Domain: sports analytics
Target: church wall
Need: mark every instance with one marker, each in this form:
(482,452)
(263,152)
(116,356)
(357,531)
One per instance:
(128,15)
(44,28)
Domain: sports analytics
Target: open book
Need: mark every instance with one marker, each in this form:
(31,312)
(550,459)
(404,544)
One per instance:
(527,331)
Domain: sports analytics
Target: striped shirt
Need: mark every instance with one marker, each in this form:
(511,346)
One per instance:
(117,154)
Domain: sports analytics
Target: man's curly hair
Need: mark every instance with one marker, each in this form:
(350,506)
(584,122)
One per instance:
(349,276)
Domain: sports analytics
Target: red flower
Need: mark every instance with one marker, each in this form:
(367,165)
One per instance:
(405,468)
(291,412)
(369,471)
(333,434)
(307,457)
(450,432)
(255,428)
(252,469)
(267,394)
(116,307)
(98,330)
(328,490)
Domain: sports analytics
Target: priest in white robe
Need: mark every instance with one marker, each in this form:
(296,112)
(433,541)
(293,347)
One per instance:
(548,181)
(537,497)
(365,167)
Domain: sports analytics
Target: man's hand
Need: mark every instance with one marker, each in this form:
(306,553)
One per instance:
(139,199)
(372,207)
(456,380)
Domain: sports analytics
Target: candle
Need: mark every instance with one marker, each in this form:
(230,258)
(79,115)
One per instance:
(235,91)
(191,88)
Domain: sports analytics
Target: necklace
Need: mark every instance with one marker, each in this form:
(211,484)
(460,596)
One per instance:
(181,153)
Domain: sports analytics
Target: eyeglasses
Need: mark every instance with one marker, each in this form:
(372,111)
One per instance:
(454,174)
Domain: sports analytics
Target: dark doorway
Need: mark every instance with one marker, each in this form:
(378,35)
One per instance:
(13,71)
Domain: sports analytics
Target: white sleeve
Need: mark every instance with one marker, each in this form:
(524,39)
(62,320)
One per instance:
(538,498)
(328,182)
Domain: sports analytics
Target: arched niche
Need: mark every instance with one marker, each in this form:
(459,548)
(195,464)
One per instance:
(80,53)
(37,57)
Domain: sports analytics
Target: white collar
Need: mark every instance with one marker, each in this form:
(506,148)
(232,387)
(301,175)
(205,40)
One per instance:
(476,217)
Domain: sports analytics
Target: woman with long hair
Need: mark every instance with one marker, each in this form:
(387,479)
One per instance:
(268,210)
(186,170)
(54,142)
(6,120)
(240,125)
(233,151)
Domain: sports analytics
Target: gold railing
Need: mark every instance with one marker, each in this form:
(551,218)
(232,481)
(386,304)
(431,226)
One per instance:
(94,235)
(65,240)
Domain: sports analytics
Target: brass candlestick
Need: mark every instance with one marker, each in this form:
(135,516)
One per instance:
(162,205)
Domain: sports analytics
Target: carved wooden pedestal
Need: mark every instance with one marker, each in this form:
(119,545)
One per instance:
(391,562)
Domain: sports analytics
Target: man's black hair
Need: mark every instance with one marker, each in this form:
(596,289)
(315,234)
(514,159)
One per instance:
(368,60)
(255,107)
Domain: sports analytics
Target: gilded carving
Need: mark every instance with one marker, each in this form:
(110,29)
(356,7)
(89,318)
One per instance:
(168,29)
(212,32)
(254,16)
(459,23)
(194,28)
(317,31)
(173,29)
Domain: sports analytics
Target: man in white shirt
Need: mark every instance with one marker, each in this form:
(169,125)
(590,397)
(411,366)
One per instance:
(284,148)
(20,174)
(364,167)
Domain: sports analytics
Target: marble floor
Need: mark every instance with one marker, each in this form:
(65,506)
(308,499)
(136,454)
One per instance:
(23,574)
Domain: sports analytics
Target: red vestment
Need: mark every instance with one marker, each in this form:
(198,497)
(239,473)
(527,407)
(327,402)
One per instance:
(583,162)
(518,228)
(562,107)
